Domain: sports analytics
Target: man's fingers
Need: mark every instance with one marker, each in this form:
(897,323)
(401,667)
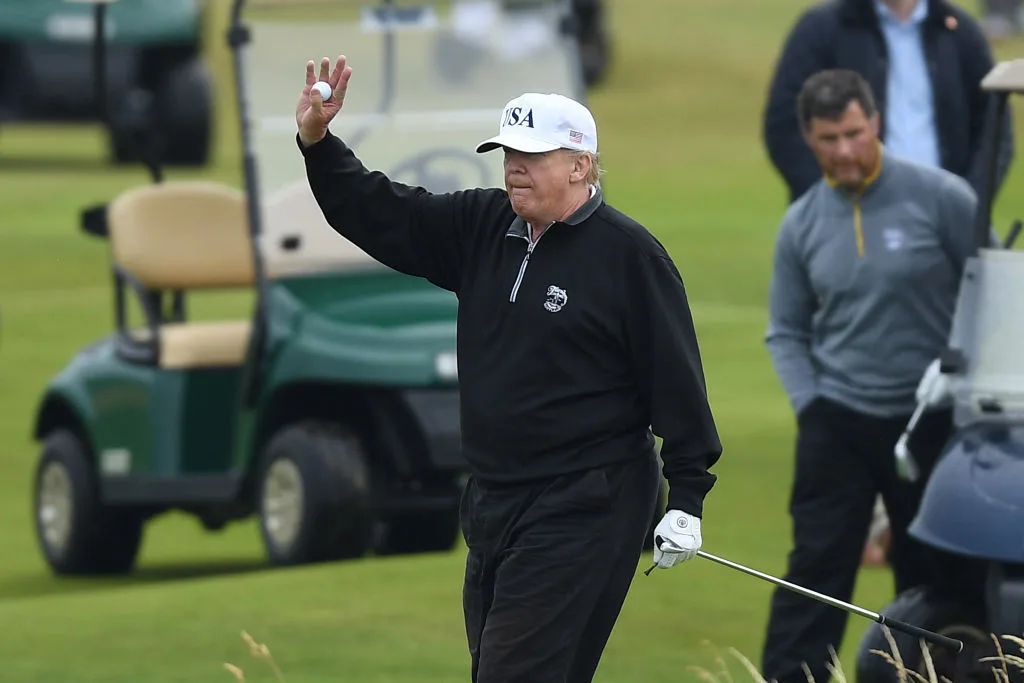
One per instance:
(342,88)
(325,69)
(339,79)
(310,77)
(316,103)
(339,67)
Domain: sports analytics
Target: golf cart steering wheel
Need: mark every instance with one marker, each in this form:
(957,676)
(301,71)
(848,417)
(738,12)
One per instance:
(439,180)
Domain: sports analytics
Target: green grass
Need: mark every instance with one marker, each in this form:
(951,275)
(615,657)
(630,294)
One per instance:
(679,120)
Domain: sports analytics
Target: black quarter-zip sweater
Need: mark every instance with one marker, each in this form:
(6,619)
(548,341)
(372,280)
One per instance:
(571,349)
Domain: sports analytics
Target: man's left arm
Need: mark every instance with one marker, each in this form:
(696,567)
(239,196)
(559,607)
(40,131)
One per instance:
(671,379)
(957,204)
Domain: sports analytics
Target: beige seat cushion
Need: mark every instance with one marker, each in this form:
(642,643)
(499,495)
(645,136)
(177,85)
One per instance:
(182,235)
(205,344)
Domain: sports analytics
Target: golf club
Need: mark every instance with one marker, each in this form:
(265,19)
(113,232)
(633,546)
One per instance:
(944,641)
(905,465)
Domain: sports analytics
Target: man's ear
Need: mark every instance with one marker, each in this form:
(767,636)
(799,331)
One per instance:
(580,167)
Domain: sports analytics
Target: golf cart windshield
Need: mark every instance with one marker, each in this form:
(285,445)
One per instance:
(429,82)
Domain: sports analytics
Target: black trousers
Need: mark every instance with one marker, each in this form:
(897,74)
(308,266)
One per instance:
(843,460)
(549,567)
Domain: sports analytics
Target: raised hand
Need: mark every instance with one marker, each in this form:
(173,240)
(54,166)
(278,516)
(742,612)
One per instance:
(313,114)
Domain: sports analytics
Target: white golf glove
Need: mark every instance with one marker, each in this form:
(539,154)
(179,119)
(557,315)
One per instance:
(676,539)
(934,388)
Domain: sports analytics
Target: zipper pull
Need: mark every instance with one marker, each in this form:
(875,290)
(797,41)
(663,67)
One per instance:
(522,271)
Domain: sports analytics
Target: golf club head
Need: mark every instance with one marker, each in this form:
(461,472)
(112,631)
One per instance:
(906,468)
(665,546)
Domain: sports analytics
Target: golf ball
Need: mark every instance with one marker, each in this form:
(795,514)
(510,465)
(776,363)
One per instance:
(324,89)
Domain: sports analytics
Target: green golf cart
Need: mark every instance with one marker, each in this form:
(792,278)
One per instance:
(153,54)
(329,409)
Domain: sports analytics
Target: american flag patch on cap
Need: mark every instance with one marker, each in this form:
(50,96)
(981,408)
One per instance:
(576,136)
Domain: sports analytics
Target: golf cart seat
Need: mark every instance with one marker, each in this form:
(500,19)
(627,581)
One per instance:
(173,237)
(194,345)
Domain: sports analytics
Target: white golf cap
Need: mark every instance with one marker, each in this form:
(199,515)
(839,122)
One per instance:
(540,123)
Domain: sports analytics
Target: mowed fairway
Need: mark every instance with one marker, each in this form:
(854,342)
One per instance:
(679,122)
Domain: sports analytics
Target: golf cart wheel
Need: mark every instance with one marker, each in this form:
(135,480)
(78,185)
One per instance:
(595,49)
(314,496)
(935,611)
(185,111)
(77,533)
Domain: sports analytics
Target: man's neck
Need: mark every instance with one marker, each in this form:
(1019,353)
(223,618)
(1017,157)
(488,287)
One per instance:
(578,199)
(901,8)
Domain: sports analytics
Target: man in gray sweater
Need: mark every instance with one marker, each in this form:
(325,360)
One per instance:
(867,266)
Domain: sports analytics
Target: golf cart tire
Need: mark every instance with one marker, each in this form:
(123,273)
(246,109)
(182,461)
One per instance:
(595,57)
(334,520)
(185,110)
(182,120)
(100,539)
(937,611)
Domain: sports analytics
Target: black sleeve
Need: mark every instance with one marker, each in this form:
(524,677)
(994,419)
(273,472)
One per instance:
(666,356)
(976,58)
(406,228)
(805,52)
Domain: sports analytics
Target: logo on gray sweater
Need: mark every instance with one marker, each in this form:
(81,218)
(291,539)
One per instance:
(893,238)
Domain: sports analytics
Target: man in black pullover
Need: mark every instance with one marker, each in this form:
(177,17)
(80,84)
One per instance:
(570,353)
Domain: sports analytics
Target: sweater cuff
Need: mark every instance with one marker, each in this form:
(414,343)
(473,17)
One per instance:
(317,147)
(687,494)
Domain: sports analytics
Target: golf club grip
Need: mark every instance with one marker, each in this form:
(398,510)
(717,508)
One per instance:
(946,642)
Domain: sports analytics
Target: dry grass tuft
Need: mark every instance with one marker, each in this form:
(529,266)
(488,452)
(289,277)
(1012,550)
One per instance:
(1000,671)
(259,652)
(721,674)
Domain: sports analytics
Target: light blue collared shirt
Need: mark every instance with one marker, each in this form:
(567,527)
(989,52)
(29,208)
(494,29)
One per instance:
(909,119)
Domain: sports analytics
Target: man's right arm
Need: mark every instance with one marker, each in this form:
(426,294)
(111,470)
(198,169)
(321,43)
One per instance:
(791,307)
(804,53)
(406,228)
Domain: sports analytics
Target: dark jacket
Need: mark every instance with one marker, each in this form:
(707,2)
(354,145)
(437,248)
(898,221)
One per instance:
(570,349)
(847,34)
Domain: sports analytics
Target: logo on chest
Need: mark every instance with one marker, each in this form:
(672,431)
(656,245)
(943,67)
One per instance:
(556,299)
(893,238)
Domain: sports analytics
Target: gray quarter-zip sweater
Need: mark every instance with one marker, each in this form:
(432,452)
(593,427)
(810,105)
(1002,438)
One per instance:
(864,286)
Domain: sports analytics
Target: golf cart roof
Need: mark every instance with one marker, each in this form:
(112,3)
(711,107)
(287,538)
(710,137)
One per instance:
(429,82)
(1005,77)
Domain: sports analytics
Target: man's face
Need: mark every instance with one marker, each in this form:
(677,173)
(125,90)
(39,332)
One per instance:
(846,148)
(539,184)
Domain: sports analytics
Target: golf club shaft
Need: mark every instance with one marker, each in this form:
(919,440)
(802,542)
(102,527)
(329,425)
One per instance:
(944,641)
(915,418)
